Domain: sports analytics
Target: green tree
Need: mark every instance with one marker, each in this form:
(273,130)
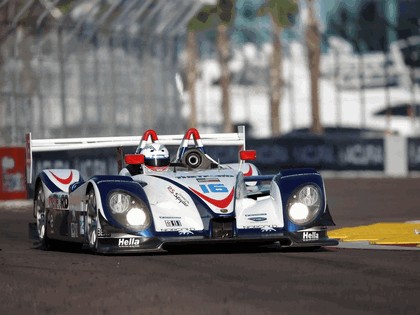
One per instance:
(279,12)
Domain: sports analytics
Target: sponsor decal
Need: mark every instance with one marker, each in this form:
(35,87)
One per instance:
(204,176)
(128,242)
(179,197)
(102,233)
(74,231)
(82,225)
(58,202)
(255,214)
(267,229)
(51,221)
(257,219)
(182,231)
(264,228)
(170,223)
(310,236)
(169,218)
(64,181)
(208,180)
(185,232)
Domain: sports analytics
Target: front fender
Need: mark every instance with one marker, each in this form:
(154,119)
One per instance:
(288,181)
(104,185)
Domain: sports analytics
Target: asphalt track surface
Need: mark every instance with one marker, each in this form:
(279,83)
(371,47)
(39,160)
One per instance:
(224,280)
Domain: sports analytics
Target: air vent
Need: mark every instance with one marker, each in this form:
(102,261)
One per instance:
(223,228)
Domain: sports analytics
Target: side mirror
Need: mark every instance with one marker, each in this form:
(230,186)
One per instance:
(248,155)
(134,159)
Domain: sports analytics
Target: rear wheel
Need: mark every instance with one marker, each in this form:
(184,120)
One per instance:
(92,221)
(41,214)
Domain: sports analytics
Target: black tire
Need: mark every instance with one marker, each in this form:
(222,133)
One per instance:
(92,221)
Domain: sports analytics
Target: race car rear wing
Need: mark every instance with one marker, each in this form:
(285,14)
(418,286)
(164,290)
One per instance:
(64,144)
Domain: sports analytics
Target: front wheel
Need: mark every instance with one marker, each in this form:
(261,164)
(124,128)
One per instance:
(92,221)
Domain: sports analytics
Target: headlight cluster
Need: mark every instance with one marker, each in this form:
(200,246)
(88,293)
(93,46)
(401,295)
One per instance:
(304,204)
(129,211)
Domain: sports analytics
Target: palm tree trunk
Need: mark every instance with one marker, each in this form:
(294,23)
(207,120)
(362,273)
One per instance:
(276,84)
(223,52)
(313,40)
(192,76)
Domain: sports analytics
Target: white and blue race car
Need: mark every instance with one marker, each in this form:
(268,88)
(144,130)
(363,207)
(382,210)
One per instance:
(155,202)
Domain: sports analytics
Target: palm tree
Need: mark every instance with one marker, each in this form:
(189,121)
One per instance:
(279,12)
(313,40)
(191,69)
(218,17)
(200,22)
(225,14)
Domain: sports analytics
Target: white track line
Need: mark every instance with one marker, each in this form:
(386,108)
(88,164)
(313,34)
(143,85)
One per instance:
(366,245)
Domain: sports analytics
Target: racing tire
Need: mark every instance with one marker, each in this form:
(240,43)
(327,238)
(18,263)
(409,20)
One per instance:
(41,217)
(92,221)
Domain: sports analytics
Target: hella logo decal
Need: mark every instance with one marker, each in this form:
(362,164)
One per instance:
(128,242)
(310,236)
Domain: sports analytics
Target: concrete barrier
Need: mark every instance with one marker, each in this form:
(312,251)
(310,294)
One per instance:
(396,156)
(12,173)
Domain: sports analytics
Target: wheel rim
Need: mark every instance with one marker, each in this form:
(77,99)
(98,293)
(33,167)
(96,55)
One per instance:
(92,237)
(40,213)
(92,221)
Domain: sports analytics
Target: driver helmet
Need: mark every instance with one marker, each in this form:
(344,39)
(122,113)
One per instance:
(156,157)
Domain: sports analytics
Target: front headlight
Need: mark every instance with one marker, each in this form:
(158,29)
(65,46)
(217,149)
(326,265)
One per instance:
(129,211)
(119,202)
(304,204)
(136,216)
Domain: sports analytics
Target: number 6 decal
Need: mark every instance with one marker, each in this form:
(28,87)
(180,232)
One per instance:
(214,188)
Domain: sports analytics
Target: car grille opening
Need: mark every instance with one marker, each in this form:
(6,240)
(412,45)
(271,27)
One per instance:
(223,228)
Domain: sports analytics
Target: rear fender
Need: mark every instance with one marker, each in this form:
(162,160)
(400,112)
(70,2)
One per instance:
(59,180)
(248,169)
(56,181)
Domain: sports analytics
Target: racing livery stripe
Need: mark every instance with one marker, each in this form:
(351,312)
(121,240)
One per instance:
(64,181)
(222,203)
(249,173)
(195,195)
